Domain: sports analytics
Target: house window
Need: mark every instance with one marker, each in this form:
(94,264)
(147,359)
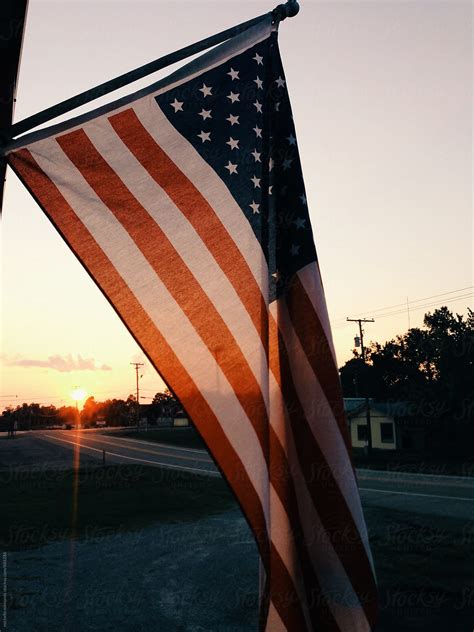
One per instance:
(362,433)
(386,432)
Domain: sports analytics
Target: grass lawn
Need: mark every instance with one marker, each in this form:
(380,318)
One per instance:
(37,507)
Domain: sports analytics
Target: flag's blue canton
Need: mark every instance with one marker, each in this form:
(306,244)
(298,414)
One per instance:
(238,117)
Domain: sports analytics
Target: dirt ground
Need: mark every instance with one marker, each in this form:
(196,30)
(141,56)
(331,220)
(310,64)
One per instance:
(202,577)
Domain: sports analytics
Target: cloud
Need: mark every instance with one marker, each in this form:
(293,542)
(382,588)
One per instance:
(63,364)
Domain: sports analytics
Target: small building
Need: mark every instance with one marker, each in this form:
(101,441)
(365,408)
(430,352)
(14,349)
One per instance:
(389,422)
(163,416)
(180,420)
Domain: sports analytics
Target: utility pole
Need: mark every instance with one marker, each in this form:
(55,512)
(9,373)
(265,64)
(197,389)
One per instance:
(137,365)
(367,407)
(75,390)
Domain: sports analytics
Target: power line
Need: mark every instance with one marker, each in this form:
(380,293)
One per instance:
(426,298)
(418,300)
(424,306)
(340,325)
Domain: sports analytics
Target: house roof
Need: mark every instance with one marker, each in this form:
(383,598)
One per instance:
(354,405)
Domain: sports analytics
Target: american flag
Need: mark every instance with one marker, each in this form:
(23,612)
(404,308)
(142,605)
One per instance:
(185,202)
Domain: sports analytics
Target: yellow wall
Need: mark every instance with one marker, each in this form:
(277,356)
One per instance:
(181,421)
(375,420)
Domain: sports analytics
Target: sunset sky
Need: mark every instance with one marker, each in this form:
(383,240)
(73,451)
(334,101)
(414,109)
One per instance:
(381,96)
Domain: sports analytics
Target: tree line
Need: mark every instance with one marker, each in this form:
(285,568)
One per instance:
(114,412)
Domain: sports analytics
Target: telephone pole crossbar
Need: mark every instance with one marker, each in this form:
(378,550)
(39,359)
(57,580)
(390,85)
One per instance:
(367,405)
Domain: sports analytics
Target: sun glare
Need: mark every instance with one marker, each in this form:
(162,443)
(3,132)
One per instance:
(78,394)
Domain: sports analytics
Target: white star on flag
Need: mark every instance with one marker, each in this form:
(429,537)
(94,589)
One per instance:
(177,105)
(233,96)
(259,83)
(256,182)
(233,120)
(256,155)
(234,74)
(206,90)
(205,114)
(234,144)
(258,131)
(204,136)
(231,167)
(259,59)
(300,222)
(258,105)
(255,207)
(280,82)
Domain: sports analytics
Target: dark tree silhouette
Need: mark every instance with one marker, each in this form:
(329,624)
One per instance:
(431,367)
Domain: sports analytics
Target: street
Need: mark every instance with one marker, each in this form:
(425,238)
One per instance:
(418,493)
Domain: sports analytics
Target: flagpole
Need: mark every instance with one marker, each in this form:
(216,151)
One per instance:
(12,30)
(281,12)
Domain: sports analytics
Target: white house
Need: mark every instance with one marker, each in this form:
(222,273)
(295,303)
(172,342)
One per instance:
(383,422)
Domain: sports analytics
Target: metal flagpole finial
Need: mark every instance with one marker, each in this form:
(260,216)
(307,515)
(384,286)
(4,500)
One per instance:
(287,10)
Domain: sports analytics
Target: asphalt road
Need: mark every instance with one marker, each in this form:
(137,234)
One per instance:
(125,450)
(418,493)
